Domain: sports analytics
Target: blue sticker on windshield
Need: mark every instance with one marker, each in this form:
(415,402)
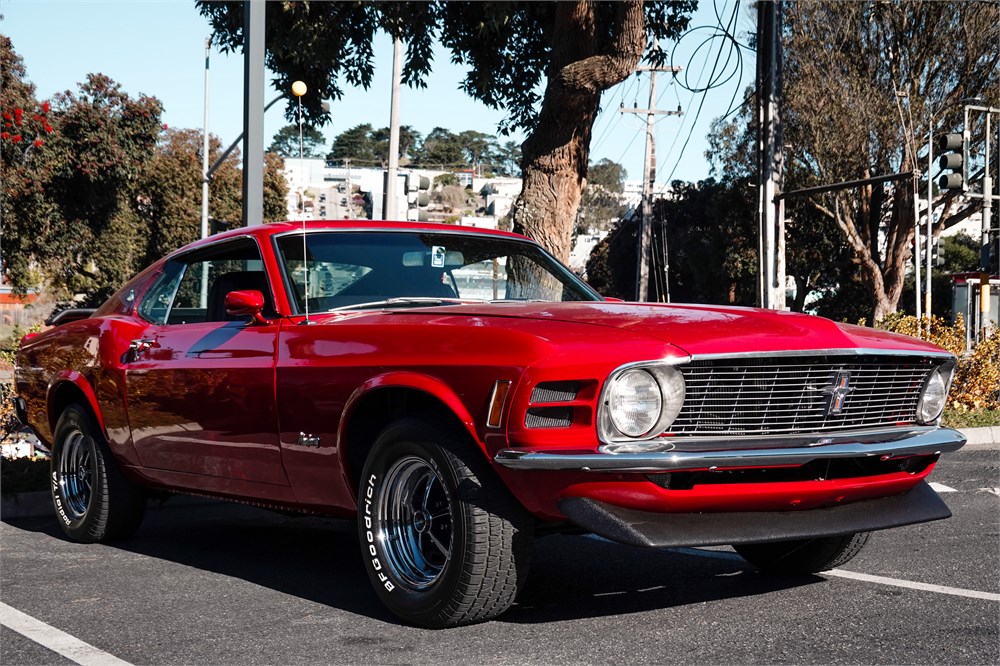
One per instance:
(437,256)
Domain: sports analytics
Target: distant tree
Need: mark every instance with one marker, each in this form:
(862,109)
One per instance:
(442,149)
(453,197)
(275,189)
(859,81)
(286,142)
(28,161)
(478,147)
(711,239)
(602,203)
(959,254)
(355,144)
(75,214)
(409,140)
(445,180)
(508,158)
(578,49)
(169,191)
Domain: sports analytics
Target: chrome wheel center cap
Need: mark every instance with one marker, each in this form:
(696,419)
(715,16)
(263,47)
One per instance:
(421,522)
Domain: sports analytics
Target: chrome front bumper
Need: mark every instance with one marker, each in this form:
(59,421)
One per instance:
(734,453)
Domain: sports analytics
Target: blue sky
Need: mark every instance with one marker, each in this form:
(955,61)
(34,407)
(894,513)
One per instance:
(156,47)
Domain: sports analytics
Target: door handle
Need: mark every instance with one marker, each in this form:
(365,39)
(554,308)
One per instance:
(142,344)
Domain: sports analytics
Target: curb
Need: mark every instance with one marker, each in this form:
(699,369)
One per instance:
(26,505)
(982,438)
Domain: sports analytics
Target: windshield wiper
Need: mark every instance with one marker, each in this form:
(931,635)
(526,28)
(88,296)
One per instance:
(409,302)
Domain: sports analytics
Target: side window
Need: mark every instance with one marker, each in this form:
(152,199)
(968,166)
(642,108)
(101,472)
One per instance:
(193,287)
(155,304)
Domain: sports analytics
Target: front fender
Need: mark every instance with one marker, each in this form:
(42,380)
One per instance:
(429,385)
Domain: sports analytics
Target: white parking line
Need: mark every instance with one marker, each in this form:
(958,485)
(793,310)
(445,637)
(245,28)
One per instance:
(58,641)
(868,578)
(926,587)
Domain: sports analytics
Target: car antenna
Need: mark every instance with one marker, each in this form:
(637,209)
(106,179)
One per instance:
(299,89)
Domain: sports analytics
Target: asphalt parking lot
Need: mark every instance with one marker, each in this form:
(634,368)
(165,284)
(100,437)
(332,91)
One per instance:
(230,584)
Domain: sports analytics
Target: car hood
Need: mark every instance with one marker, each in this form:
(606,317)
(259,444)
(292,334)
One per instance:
(699,329)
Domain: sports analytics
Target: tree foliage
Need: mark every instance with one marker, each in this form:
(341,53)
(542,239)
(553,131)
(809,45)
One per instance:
(712,243)
(469,150)
(602,204)
(71,217)
(99,188)
(169,192)
(286,142)
(571,50)
(864,83)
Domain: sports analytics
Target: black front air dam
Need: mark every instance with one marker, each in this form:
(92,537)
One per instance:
(668,530)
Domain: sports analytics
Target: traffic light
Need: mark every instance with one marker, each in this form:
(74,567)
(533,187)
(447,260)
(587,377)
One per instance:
(937,255)
(417,197)
(951,161)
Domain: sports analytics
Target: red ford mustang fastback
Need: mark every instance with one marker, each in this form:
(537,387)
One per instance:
(455,389)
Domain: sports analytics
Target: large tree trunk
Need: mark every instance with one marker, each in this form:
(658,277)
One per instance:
(555,156)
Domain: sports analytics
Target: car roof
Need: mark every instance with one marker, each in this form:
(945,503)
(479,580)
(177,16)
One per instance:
(263,231)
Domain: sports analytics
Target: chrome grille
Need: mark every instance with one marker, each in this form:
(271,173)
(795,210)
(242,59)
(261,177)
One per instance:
(788,395)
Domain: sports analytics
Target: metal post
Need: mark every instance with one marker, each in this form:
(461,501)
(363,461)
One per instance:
(389,207)
(984,260)
(203,297)
(769,147)
(916,243)
(930,219)
(253,112)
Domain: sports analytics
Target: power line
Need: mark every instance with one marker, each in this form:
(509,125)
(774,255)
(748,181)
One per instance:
(704,91)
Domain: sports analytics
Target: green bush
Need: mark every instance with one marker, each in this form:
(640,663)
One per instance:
(977,379)
(22,475)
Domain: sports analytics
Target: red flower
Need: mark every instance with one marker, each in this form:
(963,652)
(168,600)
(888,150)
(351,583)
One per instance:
(16,138)
(164,126)
(17,116)
(7,116)
(4,135)
(48,128)
(45,107)
(38,143)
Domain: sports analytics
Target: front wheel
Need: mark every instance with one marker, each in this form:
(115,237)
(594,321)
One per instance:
(803,556)
(94,502)
(444,542)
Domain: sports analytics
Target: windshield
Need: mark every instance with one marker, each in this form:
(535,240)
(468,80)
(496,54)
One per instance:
(354,270)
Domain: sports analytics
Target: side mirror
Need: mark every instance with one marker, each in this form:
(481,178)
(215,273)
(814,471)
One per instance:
(246,303)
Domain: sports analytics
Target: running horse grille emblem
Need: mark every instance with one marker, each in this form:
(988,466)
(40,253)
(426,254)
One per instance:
(837,392)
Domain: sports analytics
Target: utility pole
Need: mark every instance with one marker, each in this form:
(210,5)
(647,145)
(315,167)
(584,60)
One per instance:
(253,112)
(648,182)
(203,300)
(389,202)
(769,144)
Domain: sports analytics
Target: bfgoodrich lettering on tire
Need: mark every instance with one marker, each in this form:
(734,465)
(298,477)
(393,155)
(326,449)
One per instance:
(443,541)
(93,501)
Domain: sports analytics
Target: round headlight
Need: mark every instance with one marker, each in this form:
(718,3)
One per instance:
(634,402)
(934,395)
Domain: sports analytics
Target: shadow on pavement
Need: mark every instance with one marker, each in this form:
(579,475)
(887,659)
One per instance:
(317,559)
(575,577)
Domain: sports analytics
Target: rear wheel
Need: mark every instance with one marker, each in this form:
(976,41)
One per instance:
(93,501)
(444,542)
(803,556)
